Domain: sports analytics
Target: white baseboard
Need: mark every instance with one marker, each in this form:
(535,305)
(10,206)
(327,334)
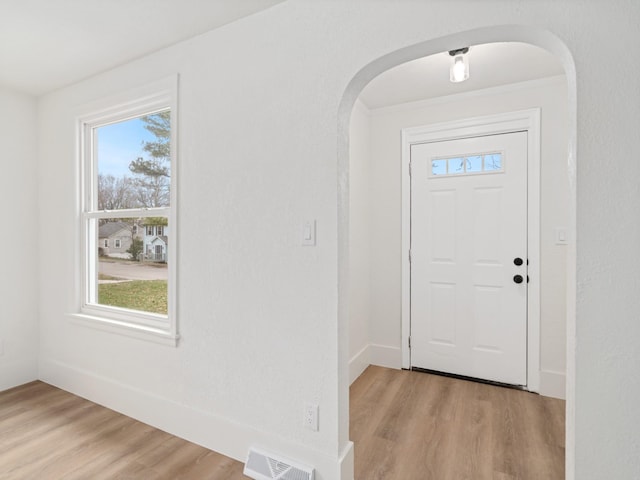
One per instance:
(358,364)
(203,428)
(384,356)
(347,463)
(380,355)
(18,373)
(553,384)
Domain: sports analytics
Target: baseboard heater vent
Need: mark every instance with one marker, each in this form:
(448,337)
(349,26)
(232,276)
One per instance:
(261,465)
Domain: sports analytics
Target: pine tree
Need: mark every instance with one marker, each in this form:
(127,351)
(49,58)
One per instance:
(152,175)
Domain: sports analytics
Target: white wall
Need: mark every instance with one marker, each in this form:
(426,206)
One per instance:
(263,113)
(257,310)
(18,241)
(360,260)
(384,197)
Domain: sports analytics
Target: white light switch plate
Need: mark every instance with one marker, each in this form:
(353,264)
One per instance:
(562,236)
(308,233)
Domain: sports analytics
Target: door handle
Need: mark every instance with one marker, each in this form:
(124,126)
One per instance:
(517,261)
(518,279)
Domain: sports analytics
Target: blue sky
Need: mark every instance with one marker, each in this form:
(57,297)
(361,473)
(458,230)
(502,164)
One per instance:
(118,144)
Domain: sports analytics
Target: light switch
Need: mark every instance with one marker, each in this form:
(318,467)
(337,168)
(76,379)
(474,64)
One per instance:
(561,236)
(309,233)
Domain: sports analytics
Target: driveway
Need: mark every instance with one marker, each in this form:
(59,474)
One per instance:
(133,270)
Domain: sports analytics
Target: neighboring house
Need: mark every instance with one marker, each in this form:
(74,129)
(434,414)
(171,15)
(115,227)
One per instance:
(114,239)
(155,242)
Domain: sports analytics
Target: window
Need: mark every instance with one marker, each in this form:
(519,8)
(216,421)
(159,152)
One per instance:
(467,164)
(106,243)
(128,164)
(493,162)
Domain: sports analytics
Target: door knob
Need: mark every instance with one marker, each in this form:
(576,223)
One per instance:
(518,279)
(518,261)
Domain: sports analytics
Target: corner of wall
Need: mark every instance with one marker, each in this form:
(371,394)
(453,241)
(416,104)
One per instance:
(553,384)
(358,364)
(18,191)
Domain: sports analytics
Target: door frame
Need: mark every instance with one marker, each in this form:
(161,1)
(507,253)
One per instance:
(517,121)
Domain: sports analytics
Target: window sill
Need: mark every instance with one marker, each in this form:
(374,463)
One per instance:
(140,332)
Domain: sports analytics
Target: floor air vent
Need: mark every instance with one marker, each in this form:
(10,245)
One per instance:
(266,466)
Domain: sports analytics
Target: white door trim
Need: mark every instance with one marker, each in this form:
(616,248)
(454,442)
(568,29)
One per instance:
(523,120)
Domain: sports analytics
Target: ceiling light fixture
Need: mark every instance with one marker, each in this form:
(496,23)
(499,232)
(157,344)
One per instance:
(460,67)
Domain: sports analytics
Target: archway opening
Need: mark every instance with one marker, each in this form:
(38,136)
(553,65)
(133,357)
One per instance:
(407,89)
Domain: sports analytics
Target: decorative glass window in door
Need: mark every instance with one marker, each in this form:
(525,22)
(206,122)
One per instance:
(492,162)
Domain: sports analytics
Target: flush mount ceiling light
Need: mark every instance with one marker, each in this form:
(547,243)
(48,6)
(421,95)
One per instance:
(460,66)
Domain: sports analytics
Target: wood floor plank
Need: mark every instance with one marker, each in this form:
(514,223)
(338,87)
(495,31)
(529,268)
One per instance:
(367,396)
(34,459)
(405,426)
(449,429)
(46,433)
(111,449)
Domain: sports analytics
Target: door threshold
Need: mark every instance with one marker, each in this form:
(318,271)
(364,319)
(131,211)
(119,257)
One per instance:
(470,379)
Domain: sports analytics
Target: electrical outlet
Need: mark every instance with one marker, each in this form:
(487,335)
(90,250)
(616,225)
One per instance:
(310,419)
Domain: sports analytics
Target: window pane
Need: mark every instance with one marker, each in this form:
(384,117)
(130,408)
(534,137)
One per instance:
(456,165)
(439,167)
(133,276)
(492,162)
(474,163)
(134,162)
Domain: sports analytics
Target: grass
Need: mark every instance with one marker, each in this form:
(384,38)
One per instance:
(143,295)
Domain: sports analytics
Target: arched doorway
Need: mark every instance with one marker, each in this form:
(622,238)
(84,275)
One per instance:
(389,355)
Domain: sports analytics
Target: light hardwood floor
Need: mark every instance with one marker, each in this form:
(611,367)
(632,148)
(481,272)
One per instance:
(417,426)
(49,434)
(405,425)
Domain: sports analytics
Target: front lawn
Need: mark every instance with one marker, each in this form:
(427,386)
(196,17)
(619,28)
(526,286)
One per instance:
(143,295)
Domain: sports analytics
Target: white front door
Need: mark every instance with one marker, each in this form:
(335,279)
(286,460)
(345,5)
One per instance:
(469,257)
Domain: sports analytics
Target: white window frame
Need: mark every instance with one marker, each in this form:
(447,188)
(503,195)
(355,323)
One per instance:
(142,101)
(117,243)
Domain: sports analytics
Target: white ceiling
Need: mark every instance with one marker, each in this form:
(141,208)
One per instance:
(47,44)
(490,65)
